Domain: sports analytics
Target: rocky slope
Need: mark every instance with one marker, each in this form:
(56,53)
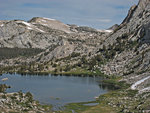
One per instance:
(58,39)
(134,32)
(21,103)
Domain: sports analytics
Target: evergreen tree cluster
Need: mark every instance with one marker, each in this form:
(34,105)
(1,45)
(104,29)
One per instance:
(8,53)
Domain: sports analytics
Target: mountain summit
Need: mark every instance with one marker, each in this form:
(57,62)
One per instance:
(51,23)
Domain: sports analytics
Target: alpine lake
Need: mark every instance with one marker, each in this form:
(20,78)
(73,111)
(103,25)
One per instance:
(57,90)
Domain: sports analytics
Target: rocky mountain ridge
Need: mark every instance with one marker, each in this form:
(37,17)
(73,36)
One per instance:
(58,39)
(22,33)
(132,63)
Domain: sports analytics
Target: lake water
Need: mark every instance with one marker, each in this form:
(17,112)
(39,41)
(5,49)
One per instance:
(56,90)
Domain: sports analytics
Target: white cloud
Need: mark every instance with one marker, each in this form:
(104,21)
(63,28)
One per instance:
(105,20)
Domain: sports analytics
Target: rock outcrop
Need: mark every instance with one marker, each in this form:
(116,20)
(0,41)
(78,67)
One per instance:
(51,23)
(130,14)
(134,34)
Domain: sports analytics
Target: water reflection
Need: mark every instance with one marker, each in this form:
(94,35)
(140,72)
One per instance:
(57,90)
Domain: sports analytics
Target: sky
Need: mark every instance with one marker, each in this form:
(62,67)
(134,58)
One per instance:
(99,14)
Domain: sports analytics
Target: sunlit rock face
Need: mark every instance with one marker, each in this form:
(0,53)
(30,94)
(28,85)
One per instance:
(51,23)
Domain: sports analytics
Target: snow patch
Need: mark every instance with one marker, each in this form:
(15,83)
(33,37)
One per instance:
(49,19)
(27,24)
(44,20)
(44,24)
(40,30)
(29,28)
(2,25)
(133,87)
(91,34)
(106,31)
(109,31)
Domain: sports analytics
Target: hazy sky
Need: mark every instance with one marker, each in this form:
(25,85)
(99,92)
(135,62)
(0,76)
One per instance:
(99,14)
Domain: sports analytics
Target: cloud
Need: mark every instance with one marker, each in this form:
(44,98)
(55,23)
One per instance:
(92,20)
(104,20)
(94,13)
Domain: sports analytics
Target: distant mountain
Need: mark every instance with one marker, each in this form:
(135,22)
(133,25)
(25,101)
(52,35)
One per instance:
(114,27)
(51,23)
(56,38)
(38,32)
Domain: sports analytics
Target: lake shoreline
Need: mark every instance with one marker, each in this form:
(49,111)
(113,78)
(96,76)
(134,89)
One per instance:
(109,101)
(87,78)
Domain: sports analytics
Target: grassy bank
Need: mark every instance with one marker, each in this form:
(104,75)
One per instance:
(82,108)
(102,106)
(76,72)
(120,100)
(81,71)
